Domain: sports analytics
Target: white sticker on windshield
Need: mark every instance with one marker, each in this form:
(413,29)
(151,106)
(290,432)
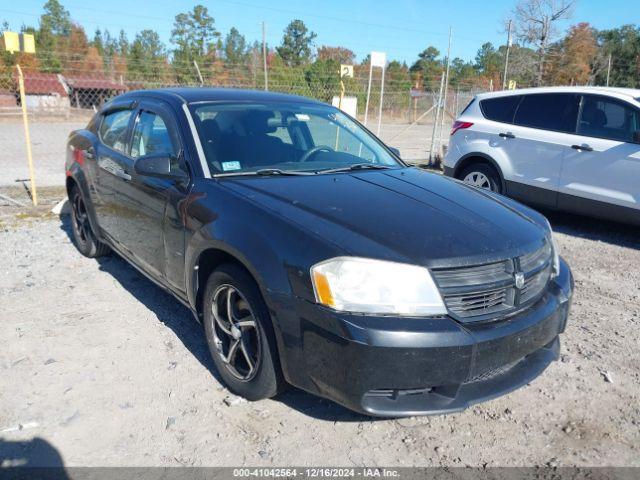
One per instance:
(228,166)
(302,117)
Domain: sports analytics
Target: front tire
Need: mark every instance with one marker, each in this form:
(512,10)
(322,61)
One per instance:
(84,237)
(240,335)
(483,176)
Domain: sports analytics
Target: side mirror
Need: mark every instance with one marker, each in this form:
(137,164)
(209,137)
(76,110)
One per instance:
(395,151)
(154,166)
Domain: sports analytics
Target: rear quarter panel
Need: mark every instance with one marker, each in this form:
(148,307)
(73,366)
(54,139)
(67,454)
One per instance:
(480,140)
(80,165)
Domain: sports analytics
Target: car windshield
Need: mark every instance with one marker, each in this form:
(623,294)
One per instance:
(285,138)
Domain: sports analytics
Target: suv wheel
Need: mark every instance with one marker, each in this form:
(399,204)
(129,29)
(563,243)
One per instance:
(482,175)
(240,336)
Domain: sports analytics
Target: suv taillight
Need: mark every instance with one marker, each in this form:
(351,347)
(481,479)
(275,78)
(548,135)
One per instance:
(458,125)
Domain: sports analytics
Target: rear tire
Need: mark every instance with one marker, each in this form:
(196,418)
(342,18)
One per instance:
(481,175)
(240,335)
(84,237)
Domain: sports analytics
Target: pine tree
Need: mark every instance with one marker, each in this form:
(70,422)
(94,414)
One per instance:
(296,44)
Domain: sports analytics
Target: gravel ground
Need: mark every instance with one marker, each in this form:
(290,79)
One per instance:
(100,367)
(49,139)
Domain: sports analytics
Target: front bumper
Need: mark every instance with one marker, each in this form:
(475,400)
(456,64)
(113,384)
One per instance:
(386,366)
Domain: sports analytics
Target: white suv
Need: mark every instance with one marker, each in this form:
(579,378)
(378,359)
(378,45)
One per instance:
(568,148)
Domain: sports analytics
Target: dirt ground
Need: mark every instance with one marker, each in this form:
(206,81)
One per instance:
(100,367)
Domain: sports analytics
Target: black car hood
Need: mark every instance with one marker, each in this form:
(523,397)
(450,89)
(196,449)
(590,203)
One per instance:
(404,214)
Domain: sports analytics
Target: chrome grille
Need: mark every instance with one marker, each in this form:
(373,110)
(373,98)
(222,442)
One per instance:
(486,292)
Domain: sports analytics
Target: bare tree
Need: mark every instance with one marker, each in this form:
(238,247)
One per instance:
(535,24)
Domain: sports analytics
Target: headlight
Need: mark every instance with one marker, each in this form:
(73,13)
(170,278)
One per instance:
(364,285)
(556,253)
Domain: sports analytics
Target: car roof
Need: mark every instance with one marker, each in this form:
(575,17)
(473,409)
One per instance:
(206,94)
(630,93)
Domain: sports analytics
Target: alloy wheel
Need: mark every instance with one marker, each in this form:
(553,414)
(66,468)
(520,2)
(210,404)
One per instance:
(80,219)
(478,179)
(235,333)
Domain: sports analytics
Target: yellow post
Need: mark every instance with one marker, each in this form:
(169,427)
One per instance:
(27,136)
(340,107)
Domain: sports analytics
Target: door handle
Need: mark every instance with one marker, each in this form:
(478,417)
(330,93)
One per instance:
(585,147)
(507,135)
(123,175)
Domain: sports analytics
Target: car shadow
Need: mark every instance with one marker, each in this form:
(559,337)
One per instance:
(614,233)
(178,318)
(35,458)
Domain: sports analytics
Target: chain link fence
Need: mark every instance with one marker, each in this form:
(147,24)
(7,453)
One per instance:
(59,103)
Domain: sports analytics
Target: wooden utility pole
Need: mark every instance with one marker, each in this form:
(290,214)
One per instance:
(506,57)
(264,55)
(455,111)
(608,69)
(195,64)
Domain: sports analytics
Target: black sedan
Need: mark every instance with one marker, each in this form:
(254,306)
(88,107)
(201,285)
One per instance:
(314,256)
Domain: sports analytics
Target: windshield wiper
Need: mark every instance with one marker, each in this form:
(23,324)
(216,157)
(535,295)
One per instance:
(356,166)
(263,172)
(277,171)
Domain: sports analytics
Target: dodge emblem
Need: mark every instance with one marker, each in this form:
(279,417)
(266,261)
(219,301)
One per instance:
(519,278)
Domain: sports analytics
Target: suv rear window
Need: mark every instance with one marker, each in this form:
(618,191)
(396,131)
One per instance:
(467,107)
(549,111)
(500,109)
(608,118)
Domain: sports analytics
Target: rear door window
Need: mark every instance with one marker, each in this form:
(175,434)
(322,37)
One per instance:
(500,109)
(549,111)
(608,118)
(113,129)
